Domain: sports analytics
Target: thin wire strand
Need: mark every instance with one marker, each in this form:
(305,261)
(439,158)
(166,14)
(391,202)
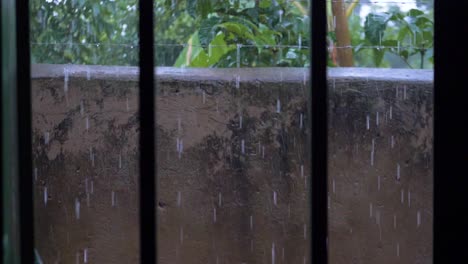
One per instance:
(232,46)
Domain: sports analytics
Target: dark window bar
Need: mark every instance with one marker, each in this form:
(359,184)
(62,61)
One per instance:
(147,135)
(24,114)
(450,133)
(319,126)
(3,68)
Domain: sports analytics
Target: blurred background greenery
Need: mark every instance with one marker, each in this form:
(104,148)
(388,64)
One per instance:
(233,33)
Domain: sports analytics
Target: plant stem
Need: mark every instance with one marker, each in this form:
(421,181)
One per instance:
(423,52)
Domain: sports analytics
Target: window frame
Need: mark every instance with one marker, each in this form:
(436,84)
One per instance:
(450,140)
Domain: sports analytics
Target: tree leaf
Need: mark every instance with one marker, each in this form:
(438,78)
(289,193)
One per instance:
(374,28)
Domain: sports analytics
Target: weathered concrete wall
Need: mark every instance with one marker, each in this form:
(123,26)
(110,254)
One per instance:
(232,165)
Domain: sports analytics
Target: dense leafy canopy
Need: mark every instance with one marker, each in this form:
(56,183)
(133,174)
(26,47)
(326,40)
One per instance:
(218,33)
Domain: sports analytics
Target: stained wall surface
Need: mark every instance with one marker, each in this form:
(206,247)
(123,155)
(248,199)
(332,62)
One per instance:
(232,165)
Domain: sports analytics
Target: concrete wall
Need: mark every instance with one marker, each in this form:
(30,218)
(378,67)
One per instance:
(233,165)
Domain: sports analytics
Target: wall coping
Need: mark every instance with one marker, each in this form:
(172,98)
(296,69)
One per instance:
(40,71)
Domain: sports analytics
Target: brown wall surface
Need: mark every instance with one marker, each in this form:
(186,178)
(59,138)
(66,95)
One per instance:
(232,165)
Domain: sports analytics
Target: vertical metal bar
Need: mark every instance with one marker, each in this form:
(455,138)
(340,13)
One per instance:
(319,110)
(147,135)
(24,132)
(8,144)
(2,184)
(450,133)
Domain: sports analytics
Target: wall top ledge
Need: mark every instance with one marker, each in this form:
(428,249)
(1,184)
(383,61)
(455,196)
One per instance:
(40,71)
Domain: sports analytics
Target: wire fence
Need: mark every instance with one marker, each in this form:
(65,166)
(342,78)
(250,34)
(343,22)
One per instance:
(183,45)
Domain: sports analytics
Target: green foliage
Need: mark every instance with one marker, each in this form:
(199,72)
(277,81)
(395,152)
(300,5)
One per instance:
(258,33)
(410,34)
(218,33)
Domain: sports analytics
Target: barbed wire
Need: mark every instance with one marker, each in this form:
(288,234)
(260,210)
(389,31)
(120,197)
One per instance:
(305,47)
(380,2)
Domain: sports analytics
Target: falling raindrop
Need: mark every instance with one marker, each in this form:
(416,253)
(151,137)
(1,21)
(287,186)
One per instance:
(409,198)
(240,121)
(92,187)
(404,93)
(220,197)
(251,222)
(243,146)
(120,161)
(278,106)
(85,255)
(368,122)
(398,172)
(179,199)
(87,123)
(299,42)
(113,198)
(402,196)
(263,152)
(77,208)
(398,249)
(301,121)
(392,141)
(302,171)
(204,97)
(180,147)
(333,186)
(370,210)
(273,253)
(214,214)
(237,81)
(35,174)
(88,74)
(45,196)
(377,118)
(275,202)
(418,219)
(46,138)
(65,80)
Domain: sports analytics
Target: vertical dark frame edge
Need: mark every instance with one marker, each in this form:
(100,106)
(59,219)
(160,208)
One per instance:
(24,110)
(1,140)
(319,127)
(450,133)
(148,248)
